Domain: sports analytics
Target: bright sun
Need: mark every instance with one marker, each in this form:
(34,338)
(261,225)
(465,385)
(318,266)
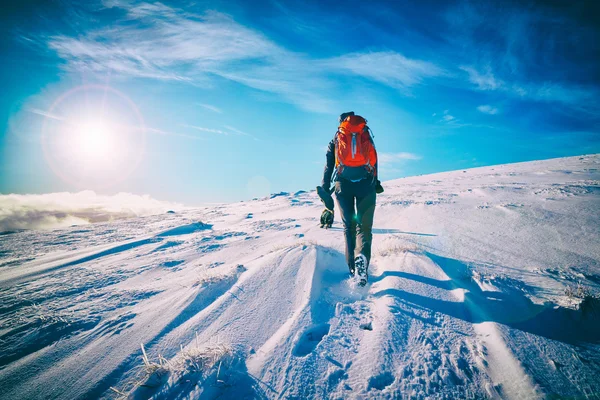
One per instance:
(94,139)
(91,143)
(93,136)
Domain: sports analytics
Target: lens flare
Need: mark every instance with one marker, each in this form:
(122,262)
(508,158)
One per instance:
(93,137)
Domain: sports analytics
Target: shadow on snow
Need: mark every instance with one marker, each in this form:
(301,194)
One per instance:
(511,308)
(381,231)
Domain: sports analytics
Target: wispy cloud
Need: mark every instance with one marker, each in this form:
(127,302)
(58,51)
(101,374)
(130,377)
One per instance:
(389,68)
(576,95)
(211,108)
(56,210)
(239,132)
(397,157)
(161,42)
(45,114)
(168,133)
(449,117)
(231,128)
(584,98)
(203,129)
(228,130)
(539,52)
(483,80)
(487,109)
(520,58)
(452,122)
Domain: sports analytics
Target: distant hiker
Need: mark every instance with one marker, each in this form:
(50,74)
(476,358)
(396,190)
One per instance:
(352,156)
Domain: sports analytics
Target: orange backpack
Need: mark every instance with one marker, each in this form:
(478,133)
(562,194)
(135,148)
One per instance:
(355,154)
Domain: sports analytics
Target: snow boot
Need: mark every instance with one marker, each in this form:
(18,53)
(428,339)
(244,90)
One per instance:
(361,266)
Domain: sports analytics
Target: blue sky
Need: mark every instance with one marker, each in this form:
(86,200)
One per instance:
(210,101)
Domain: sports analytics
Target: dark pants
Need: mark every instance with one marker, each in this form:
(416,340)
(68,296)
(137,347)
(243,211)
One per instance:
(357,205)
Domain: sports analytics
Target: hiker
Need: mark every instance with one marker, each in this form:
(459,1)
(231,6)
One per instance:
(352,156)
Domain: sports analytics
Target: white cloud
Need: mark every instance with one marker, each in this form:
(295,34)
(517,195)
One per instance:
(448,117)
(238,132)
(45,114)
(571,94)
(483,80)
(156,41)
(397,157)
(452,122)
(296,80)
(56,210)
(211,108)
(487,109)
(583,98)
(202,129)
(167,133)
(231,128)
(159,42)
(389,68)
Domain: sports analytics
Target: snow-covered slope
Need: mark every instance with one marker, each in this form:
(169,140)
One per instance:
(482,285)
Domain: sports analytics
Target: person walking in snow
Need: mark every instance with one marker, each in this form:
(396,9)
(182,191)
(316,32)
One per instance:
(352,166)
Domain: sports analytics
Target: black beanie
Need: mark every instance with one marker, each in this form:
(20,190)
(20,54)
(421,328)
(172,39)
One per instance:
(345,115)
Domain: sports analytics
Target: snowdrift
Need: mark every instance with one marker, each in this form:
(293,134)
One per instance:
(484,283)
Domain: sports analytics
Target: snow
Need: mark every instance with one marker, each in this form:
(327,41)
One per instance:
(483,284)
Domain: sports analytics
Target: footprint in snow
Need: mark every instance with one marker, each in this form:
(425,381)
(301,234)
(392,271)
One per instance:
(366,326)
(336,377)
(310,339)
(381,381)
(171,263)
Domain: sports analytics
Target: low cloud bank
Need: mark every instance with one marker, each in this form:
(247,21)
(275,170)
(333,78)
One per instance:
(58,210)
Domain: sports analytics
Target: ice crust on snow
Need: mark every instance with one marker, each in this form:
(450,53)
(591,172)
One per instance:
(483,284)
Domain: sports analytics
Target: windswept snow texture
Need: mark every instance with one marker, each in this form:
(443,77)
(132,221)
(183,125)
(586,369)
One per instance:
(482,285)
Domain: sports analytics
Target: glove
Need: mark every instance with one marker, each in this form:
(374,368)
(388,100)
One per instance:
(326,218)
(325,196)
(378,187)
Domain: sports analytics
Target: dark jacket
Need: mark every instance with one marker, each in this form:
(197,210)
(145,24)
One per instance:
(361,186)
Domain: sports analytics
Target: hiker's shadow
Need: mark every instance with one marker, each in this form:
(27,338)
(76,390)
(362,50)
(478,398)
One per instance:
(511,307)
(381,231)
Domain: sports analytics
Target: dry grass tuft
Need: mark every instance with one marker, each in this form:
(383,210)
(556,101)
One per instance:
(396,248)
(195,363)
(587,302)
(577,292)
(303,244)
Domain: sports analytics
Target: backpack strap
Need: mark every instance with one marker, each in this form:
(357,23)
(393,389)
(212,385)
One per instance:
(335,148)
(371,134)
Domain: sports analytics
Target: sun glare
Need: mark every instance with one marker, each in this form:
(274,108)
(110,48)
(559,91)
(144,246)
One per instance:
(94,137)
(94,140)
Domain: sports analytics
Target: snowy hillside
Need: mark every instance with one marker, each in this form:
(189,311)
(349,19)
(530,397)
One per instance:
(482,285)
